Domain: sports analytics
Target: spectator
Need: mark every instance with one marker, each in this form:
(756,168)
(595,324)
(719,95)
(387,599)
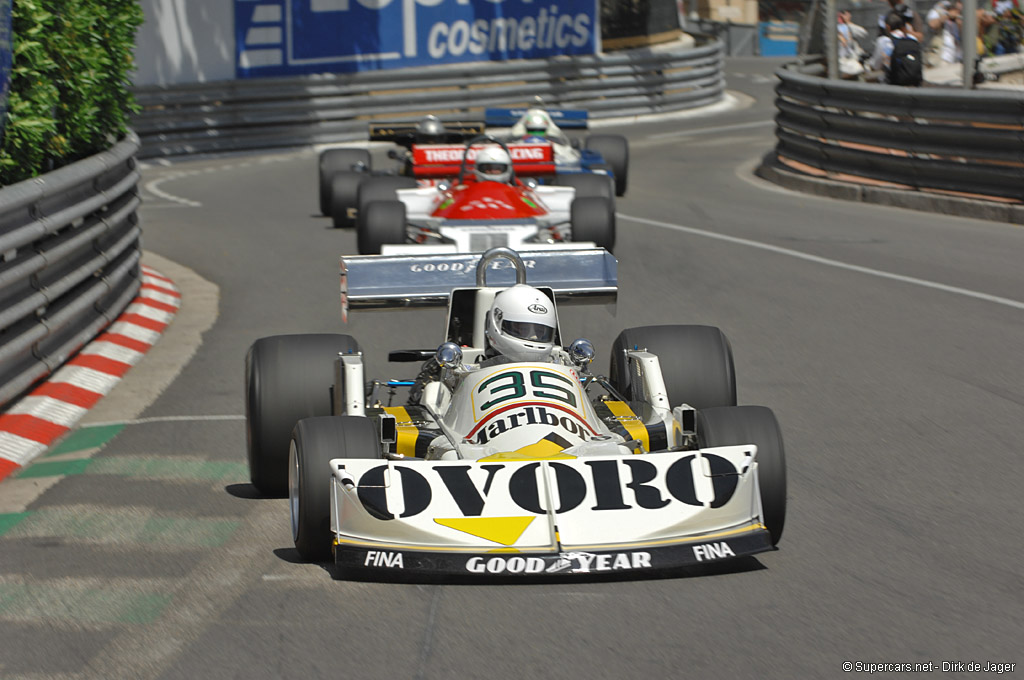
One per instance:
(898,53)
(944,18)
(914,26)
(851,54)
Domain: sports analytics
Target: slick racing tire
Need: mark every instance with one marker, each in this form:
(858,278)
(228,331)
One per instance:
(344,194)
(333,161)
(589,184)
(615,151)
(314,442)
(593,219)
(380,223)
(696,363)
(735,425)
(381,188)
(287,378)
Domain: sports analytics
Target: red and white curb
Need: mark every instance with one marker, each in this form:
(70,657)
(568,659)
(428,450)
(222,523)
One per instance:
(47,413)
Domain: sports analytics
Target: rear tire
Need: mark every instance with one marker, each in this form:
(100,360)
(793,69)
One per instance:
(314,442)
(735,425)
(593,219)
(589,185)
(333,161)
(614,149)
(696,363)
(380,223)
(344,194)
(287,378)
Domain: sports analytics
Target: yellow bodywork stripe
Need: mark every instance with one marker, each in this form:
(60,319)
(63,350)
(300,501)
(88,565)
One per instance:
(634,426)
(407,432)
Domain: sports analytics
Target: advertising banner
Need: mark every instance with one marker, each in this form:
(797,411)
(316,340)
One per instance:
(292,37)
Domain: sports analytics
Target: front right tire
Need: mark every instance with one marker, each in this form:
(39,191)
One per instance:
(314,443)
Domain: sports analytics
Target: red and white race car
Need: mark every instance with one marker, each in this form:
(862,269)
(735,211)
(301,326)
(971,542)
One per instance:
(470,208)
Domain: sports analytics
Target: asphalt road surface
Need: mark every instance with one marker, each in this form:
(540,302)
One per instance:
(888,343)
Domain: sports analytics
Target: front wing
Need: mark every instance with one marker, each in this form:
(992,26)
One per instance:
(499,518)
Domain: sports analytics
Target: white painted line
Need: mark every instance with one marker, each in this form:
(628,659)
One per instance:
(1007,302)
(168,419)
(154,188)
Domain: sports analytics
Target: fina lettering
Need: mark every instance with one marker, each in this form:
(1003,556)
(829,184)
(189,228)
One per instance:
(377,558)
(712,551)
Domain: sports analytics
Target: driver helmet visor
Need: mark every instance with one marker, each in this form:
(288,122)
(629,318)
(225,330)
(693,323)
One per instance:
(528,330)
(492,168)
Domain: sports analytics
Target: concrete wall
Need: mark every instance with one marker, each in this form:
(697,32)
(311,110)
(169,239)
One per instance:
(185,41)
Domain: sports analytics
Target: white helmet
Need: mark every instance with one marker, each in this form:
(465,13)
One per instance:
(536,122)
(521,324)
(493,164)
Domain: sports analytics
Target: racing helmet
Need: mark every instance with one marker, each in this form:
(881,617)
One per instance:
(536,122)
(521,324)
(430,130)
(493,164)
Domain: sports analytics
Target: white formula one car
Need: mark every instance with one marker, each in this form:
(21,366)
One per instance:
(511,470)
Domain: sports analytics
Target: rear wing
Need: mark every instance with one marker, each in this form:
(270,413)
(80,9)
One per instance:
(403,133)
(566,119)
(400,281)
(444,160)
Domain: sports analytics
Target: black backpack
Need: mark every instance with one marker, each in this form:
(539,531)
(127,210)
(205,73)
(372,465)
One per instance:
(905,62)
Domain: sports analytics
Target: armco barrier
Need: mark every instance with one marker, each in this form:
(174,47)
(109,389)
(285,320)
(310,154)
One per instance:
(265,113)
(963,142)
(70,262)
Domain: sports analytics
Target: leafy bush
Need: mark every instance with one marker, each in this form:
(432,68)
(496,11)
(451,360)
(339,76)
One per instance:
(69,95)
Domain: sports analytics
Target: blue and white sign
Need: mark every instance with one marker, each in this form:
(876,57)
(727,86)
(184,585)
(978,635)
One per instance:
(291,37)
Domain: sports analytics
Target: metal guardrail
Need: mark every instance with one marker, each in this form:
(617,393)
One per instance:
(265,113)
(925,138)
(69,262)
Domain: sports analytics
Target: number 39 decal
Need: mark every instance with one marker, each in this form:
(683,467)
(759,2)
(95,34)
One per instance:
(537,383)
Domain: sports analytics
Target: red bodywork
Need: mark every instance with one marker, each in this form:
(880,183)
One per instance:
(488,201)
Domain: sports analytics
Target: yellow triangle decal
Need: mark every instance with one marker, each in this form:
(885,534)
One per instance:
(504,530)
(542,450)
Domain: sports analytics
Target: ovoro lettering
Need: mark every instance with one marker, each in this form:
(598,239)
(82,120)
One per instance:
(612,484)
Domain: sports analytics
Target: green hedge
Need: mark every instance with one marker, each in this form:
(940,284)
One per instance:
(69,95)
